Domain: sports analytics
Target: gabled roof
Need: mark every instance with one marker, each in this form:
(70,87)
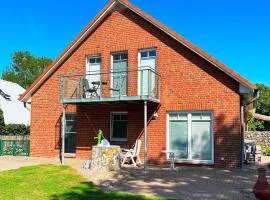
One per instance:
(98,19)
(14,111)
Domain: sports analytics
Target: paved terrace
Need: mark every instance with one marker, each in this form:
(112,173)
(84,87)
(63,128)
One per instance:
(187,182)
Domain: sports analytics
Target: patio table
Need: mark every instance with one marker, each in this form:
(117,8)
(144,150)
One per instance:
(171,158)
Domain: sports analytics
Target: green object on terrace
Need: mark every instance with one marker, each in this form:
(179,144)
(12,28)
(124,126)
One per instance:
(99,136)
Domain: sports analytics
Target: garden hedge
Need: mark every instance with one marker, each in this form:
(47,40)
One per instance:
(12,129)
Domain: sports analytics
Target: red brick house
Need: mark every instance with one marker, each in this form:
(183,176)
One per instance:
(126,64)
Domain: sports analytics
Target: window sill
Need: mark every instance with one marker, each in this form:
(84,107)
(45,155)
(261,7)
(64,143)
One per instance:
(70,155)
(118,140)
(206,162)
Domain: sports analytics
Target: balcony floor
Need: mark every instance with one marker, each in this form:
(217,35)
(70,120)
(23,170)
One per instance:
(94,100)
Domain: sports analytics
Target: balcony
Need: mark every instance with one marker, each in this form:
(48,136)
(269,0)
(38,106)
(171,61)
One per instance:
(98,86)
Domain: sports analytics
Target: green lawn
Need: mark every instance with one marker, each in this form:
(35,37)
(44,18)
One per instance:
(53,182)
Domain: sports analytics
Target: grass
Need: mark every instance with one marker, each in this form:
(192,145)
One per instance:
(53,182)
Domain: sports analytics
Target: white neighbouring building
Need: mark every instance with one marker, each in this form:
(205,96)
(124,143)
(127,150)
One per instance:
(14,111)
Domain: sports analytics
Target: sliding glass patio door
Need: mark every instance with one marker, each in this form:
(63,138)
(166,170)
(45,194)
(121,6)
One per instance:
(190,136)
(178,135)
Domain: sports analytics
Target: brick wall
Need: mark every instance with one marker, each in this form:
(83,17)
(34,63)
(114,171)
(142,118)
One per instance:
(187,83)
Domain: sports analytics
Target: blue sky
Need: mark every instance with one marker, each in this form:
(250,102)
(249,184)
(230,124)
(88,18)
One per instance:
(237,32)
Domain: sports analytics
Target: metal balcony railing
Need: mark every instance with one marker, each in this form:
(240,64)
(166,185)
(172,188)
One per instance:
(100,86)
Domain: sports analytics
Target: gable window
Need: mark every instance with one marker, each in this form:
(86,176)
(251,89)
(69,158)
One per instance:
(148,53)
(190,136)
(147,76)
(118,126)
(93,69)
(93,64)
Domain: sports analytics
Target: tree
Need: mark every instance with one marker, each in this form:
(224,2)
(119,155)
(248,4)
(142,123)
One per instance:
(25,68)
(262,107)
(2,123)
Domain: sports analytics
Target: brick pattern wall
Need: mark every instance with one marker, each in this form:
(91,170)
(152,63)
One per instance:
(187,83)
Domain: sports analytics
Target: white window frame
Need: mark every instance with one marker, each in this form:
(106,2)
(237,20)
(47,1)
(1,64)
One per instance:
(71,132)
(189,115)
(111,76)
(139,66)
(91,73)
(111,127)
(87,63)
(71,120)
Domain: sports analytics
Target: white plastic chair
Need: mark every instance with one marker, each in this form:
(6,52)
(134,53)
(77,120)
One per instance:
(133,154)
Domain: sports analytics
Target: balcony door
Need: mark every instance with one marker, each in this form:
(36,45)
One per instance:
(93,69)
(147,76)
(119,74)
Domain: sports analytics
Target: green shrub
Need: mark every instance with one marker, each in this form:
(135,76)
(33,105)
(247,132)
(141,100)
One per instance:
(2,122)
(16,129)
(266,151)
(12,129)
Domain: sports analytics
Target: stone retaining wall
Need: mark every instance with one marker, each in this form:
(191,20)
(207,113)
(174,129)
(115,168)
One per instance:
(261,137)
(105,159)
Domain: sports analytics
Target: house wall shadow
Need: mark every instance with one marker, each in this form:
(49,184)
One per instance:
(187,183)
(91,118)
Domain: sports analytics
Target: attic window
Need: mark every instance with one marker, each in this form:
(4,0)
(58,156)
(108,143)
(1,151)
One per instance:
(94,60)
(148,54)
(119,56)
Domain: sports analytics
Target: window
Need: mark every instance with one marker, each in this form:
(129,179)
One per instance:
(178,135)
(93,64)
(201,144)
(70,133)
(147,77)
(148,53)
(120,56)
(119,126)
(93,69)
(94,60)
(190,136)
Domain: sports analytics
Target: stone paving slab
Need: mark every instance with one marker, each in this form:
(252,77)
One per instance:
(187,182)
(9,162)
